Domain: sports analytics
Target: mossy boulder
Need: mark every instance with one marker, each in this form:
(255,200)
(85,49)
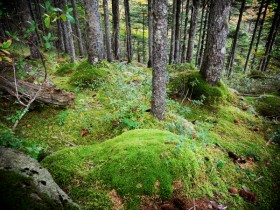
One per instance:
(66,68)
(268,105)
(136,163)
(88,75)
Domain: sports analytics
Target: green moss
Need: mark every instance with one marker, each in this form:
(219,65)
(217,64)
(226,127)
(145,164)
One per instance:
(268,105)
(66,68)
(257,75)
(131,163)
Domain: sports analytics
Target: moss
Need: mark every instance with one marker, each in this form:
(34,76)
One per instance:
(256,75)
(88,75)
(131,163)
(66,68)
(268,105)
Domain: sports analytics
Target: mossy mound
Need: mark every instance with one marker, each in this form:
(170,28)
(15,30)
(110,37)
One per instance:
(88,75)
(257,75)
(268,105)
(136,163)
(193,85)
(66,68)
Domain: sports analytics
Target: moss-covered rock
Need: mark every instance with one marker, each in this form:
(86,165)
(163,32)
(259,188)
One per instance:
(268,105)
(136,163)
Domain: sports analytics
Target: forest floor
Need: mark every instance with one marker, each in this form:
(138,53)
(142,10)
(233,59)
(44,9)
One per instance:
(108,152)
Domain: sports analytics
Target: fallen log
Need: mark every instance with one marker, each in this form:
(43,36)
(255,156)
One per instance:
(46,93)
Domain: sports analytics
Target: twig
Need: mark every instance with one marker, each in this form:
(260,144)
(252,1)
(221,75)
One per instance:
(211,170)
(261,177)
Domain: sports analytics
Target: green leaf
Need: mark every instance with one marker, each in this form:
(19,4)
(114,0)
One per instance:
(70,18)
(45,38)
(48,45)
(70,10)
(65,8)
(47,22)
(8,33)
(48,5)
(56,9)
(7,44)
(49,35)
(63,17)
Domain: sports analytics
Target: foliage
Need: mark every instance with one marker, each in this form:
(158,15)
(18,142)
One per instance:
(4,51)
(268,105)
(66,68)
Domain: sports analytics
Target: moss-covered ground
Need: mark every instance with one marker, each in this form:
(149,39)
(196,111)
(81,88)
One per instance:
(95,152)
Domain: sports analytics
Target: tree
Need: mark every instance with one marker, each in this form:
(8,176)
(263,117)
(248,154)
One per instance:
(116,29)
(234,43)
(150,26)
(213,59)
(160,15)
(194,17)
(183,56)
(94,32)
(128,31)
(177,32)
(107,32)
(172,42)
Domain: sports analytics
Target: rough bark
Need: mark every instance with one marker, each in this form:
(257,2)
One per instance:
(177,32)
(236,35)
(215,50)
(172,42)
(60,36)
(78,28)
(184,48)
(150,25)
(160,59)
(253,37)
(194,17)
(107,32)
(32,39)
(116,29)
(128,31)
(94,32)
(203,36)
(200,36)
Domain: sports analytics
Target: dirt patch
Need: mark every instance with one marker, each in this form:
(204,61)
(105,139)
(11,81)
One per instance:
(116,200)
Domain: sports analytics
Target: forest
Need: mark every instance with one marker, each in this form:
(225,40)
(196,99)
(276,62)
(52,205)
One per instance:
(139,104)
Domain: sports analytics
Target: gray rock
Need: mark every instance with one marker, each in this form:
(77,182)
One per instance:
(14,161)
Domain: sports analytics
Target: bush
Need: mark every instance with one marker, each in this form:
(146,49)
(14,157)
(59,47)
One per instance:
(88,75)
(268,105)
(66,68)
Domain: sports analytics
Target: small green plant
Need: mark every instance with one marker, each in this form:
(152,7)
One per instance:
(220,164)
(60,119)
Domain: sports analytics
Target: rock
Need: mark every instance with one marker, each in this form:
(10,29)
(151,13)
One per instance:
(29,184)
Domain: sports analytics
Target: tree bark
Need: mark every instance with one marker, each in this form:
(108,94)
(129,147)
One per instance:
(215,50)
(159,58)
(177,32)
(94,32)
(253,37)
(203,35)
(128,31)
(116,29)
(236,35)
(200,35)
(150,25)
(196,5)
(107,32)
(183,56)
(172,42)
(78,28)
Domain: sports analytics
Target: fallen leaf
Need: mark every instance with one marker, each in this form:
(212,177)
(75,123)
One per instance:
(84,132)
(236,121)
(233,190)
(28,125)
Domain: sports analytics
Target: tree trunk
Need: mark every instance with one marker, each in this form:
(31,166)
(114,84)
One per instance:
(200,34)
(259,35)
(203,35)
(159,58)
(32,38)
(177,32)
(196,4)
(78,29)
(94,32)
(128,31)
(150,25)
(116,29)
(236,35)
(107,32)
(270,40)
(60,36)
(183,56)
(215,50)
(172,43)
(253,37)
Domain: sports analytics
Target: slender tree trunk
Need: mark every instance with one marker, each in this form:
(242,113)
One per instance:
(150,25)
(78,28)
(259,35)
(203,35)
(107,31)
(143,34)
(253,37)
(200,35)
(128,31)
(159,58)
(172,43)
(60,36)
(116,29)
(33,16)
(183,56)
(215,50)
(236,35)
(94,32)
(177,32)
(270,40)
(196,4)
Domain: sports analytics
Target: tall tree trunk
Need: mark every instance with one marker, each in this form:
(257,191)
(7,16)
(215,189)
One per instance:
(150,25)
(116,29)
(172,43)
(270,40)
(177,32)
(59,31)
(196,4)
(107,32)
(236,35)
(143,34)
(183,56)
(33,16)
(203,35)
(259,35)
(128,31)
(200,34)
(253,37)
(94,32)
(215,50)
(78,28)
(159,57)
(32,38)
